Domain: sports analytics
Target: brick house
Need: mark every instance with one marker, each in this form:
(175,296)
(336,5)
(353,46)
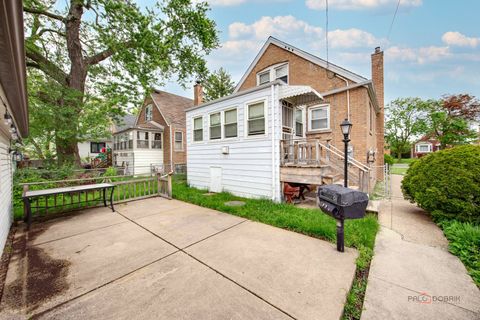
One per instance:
(346,94)
(282,125)
(424,146)
(155,138)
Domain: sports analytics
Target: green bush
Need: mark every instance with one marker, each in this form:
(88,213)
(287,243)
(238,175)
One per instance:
(388,159)
(464,242)
(447,184)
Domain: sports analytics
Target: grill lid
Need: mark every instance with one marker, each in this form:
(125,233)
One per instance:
(340,195)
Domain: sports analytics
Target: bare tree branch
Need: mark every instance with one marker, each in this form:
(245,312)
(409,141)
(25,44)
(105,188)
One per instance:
(105,54)
(45,13)
(62,34)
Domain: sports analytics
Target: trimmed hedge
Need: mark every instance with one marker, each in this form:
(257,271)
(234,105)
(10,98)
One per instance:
(447,184)
(388,159)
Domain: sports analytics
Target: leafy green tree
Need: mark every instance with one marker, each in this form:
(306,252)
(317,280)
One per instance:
(404,122)
(218,84)
(448,119)
(102,54)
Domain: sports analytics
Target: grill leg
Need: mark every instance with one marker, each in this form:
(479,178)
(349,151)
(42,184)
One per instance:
(340,240)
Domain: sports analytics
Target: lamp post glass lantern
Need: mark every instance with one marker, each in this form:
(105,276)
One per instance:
(346,127)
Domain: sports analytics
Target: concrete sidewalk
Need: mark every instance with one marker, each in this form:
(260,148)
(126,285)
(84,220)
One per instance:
(413,276)
(166,259)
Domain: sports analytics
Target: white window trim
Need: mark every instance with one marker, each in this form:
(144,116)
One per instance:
(223,124)
(271,70)
(193,129)
(245,118)
(321,106)
(304,120)
(418,145)
(175,142)
(151,112)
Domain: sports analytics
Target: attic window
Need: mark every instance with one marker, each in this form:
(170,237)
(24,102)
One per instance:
(275,72)
(148,113)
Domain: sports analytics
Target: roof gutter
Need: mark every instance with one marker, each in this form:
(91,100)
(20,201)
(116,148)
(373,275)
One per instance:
(367,84)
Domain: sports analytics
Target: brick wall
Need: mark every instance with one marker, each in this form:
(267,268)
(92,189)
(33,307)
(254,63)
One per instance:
(303,72)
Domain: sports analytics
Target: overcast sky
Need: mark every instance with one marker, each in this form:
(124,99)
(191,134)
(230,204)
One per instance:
(433,48)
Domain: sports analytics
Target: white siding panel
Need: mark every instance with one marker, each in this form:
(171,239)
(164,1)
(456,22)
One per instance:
(247,168)
(5,191)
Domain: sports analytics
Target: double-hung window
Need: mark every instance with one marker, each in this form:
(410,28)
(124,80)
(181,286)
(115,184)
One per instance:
(281,73)
(299,123)
(264,77)
(278,71)
(178,141)
(319,118)
(96,147)
(149,113)
(256,119)
(198,129)
(424,147)
(215,126)
(230,123)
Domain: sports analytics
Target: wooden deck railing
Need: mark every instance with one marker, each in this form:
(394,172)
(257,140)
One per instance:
(314,153)
(127,188)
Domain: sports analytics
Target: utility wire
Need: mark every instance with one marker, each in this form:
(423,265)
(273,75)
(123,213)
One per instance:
(393,20)
(326,30)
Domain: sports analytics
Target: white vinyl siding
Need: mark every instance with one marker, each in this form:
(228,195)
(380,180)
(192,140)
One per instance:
(198,129)
(6,207)
(230,123)
(319,118)
(247,167)
(256,118)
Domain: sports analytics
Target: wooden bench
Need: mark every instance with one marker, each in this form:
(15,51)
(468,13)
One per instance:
(28,196)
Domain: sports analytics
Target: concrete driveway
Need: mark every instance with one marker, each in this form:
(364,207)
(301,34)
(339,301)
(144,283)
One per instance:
(166,259)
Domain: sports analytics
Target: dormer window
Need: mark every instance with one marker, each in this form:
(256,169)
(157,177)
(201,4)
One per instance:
(148,113)
(278,71)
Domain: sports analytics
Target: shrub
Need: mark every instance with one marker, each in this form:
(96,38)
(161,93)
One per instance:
(447,184)
(464,242)
(388,159)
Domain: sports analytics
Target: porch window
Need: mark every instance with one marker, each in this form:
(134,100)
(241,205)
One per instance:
(256,119)
(130,140)
(230,123)
(422,148)
(96,147)
(264,77)
(215,126)
(157,141)
(178,141)
(320,118)
(281,73)
(148,113)
(299,123)
(287,120)
(142,140)
(198,129)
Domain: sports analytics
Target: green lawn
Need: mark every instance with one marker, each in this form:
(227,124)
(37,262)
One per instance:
(407,161)
(397,170)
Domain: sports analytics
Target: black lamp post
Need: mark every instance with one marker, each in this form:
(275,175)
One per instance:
(346,126)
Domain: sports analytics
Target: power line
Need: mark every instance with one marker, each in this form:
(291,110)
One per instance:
(326,30)
(393,20)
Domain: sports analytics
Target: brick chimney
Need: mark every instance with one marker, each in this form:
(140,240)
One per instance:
(197,93)
(377,79)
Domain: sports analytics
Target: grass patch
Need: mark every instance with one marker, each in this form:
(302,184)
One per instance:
(358,233)
(408,161)
(398,170)
(464,242)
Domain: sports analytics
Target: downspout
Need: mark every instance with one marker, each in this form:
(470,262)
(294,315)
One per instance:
(171,149)
(348,95)
(273,142)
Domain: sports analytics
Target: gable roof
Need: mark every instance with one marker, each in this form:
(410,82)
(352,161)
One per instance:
(171,106)
(125,123)
(303,54)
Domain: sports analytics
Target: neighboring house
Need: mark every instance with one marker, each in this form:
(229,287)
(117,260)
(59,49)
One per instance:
(88,150)
(282,124)
(155,139)
(13,104)
(424,146)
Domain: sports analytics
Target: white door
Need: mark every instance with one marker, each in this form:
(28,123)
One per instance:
(215,179)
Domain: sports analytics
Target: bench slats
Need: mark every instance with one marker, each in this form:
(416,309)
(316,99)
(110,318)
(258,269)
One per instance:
(76,189)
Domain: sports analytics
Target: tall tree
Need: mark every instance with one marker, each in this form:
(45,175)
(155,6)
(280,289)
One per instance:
(218,84)
(404,122)
(448,119)
(102,54)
